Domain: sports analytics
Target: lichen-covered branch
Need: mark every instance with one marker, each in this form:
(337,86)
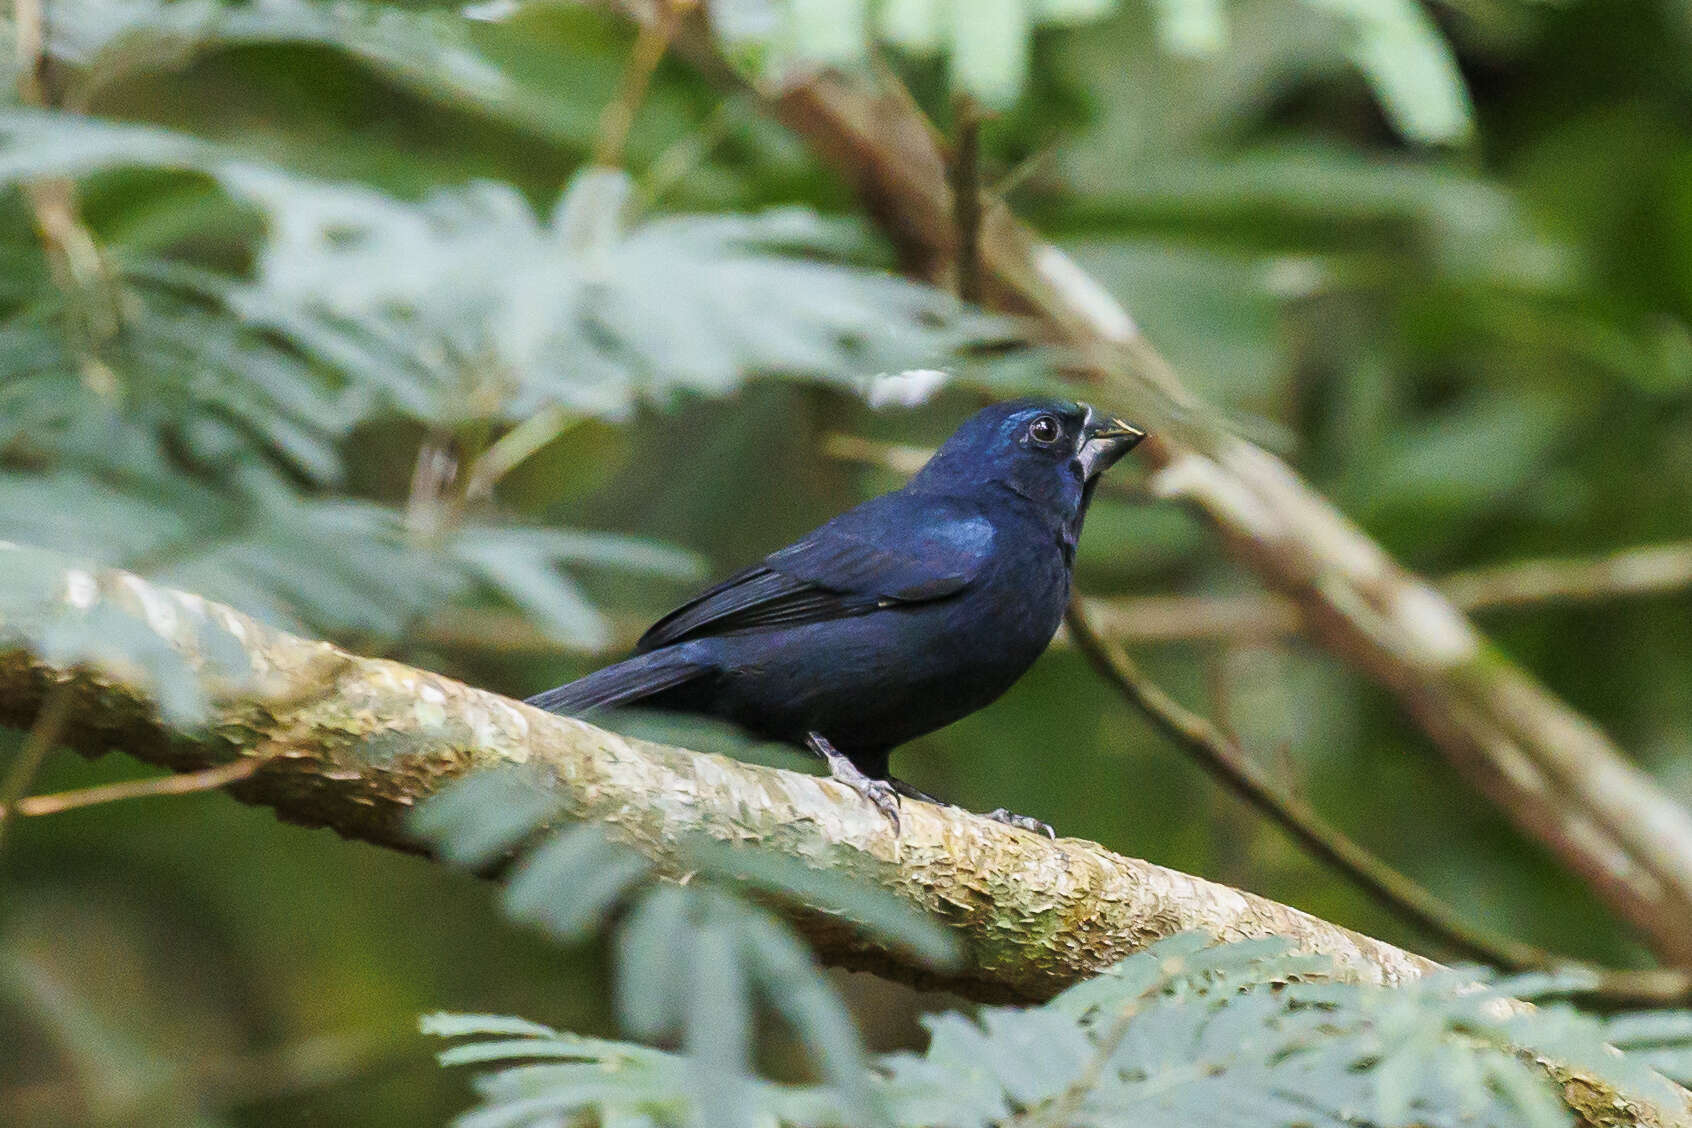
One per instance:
(329,738)
(1551,770)
(355,743)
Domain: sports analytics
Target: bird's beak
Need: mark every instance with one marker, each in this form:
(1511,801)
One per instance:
(1105,443)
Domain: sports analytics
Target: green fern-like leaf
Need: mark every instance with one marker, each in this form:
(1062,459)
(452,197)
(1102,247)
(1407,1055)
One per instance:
(1185,1033)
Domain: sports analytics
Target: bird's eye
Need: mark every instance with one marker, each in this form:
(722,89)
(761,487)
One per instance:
(1044,430)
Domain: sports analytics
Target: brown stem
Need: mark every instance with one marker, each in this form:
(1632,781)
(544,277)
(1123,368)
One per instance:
(95,310)
(44,735)
(356,743)
(211,779)
(1631,573)
(651,42)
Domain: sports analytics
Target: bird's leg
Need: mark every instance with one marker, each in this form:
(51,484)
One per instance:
(1000,815)
(880,792)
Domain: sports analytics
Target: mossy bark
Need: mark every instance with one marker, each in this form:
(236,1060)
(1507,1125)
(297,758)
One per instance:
(355,743)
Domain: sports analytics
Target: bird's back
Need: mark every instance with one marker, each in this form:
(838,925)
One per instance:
(877,677)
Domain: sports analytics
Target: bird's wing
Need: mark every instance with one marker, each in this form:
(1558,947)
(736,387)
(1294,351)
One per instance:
(878,554)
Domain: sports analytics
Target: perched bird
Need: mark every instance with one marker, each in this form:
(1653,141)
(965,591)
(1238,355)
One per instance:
(895,618)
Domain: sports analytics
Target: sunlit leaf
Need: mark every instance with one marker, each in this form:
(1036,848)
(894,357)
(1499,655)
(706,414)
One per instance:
(1409,65)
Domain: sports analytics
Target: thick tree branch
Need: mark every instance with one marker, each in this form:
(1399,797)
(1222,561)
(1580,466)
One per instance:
(1552,771)
(354,743)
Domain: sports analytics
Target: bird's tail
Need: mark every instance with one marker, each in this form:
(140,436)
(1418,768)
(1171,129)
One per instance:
(637,680)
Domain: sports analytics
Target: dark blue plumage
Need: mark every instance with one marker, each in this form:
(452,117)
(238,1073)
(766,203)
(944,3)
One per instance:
(896,617)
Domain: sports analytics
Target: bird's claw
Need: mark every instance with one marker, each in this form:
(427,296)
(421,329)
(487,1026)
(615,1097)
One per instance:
(879,793)
(1022,822)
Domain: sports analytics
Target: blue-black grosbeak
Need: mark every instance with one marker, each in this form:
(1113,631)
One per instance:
(895,618)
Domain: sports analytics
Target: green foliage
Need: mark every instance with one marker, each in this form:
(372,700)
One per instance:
(694,959)
(1184,1033)
(54,612)
(987,43)
(1479,349)
(583,311)
(187,422)
(104,41)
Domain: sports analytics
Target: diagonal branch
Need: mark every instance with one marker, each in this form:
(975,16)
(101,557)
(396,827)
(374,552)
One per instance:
(1550,769)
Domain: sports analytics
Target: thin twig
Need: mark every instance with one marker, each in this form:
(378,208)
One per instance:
(432,476)
(1649,570)
(897,457)
(1228,763)
(43,738)
(73,257)
(619,114)
(677,160)
(514,447)
(1027,167)
(29,18)
(211,779)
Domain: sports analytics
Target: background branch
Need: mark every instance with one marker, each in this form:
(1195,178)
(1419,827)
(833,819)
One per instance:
(1220,754)
(1648,570)
(1552,771)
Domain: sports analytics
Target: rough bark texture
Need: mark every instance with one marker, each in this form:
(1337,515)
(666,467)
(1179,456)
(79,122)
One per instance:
(355,743)
(1552,771)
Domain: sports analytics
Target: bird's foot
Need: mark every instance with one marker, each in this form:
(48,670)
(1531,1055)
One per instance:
(879,792)
(1023,822)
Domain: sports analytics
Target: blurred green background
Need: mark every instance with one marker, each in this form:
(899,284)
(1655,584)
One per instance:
(1460,310)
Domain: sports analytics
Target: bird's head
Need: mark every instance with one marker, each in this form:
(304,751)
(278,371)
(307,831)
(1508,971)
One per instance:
(1047,450)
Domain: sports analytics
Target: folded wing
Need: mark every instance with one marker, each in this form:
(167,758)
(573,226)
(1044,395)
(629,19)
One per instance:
(876,555)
